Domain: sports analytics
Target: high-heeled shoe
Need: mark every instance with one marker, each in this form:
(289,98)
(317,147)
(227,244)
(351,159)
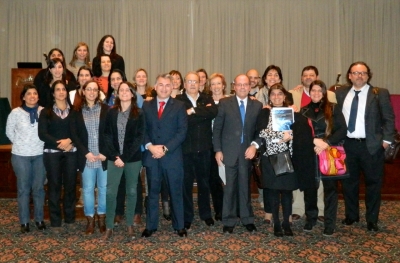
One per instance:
(166,211)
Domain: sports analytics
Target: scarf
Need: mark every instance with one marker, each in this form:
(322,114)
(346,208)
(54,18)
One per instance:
(33,113)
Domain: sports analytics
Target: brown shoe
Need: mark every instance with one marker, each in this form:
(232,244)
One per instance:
(295,217)
(102,223)
(137,219)
(131,232)
(117,220)
(108,235)
(90,225)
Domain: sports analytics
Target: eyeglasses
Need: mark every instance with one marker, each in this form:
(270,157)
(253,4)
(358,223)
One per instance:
(357,73)
(239,85)
(90,89)
(191,81)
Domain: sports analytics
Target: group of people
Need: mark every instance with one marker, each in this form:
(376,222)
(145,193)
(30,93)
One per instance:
(91,119)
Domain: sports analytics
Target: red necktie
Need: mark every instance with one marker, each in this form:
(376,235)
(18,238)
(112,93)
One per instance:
(161,109)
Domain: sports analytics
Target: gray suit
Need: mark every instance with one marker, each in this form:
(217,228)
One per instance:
(227,139)
(367,155)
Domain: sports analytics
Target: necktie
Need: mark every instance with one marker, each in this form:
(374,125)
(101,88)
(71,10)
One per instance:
(242,114)
(351,127)
(161,109)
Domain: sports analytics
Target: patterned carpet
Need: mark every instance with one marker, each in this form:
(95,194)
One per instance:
(204,244)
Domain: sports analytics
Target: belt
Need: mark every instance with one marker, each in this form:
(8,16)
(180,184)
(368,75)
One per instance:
(356,139)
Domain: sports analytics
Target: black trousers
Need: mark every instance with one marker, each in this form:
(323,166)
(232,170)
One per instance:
(61,171)
(310,204)
(216,188)
(359,159)
(196,165)
(284,197)
(331,203)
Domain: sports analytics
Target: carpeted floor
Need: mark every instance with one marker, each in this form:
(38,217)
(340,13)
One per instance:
(204,244)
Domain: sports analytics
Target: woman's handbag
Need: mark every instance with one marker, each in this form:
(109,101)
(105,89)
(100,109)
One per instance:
(282,163)
(332,161)
(391,151)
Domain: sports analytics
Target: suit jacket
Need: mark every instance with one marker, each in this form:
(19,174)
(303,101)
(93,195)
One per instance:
(228,128)
(298,94)
(170,131)
(134,133)
(84,137)
(199,133)
(379,116)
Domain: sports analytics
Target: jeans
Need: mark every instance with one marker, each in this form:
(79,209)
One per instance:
(30,178)
(131,171)
(61,171)
(89,178)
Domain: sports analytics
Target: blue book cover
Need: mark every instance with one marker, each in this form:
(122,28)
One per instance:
(282,118)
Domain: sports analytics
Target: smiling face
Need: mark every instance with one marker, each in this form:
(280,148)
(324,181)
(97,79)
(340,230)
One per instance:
(31,98)
(81,53)
(83,77)
(108,45)
(176,81)
(163,88)
(56,54)
(192,84)
(115,79)
(57,71)
(272,78)
(316,93)
(91,92)
(141,79)
(242,86)
(358,76)
(254,77)
(277,97)
(124,93)
(217,87)
(307,77)
(105,63)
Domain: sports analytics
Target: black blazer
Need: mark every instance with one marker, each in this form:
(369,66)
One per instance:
(379,117)
(134,134)
(199,133)
(117,62)
(84,138)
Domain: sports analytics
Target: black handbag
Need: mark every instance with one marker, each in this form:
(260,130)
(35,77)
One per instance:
(391,151)
(282,163)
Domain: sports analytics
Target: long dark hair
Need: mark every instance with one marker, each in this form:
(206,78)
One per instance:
(271,67)
(110,89)
(84,67)
(83,101)
(176,72)
(49,107)
(326,106)
(134,107)
(52,63)
(24,90)
(280,87)
(100,50)
(206,89)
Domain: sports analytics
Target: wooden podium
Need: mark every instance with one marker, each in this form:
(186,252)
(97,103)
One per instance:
(19,78)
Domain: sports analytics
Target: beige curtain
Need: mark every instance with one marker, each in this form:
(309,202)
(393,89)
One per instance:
(227,36)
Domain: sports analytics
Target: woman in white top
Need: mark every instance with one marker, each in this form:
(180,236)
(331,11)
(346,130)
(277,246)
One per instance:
(27,157)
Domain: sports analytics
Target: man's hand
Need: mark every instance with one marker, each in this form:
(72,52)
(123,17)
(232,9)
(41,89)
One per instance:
(220,158)
(157,151)
(250,152)
(298,88)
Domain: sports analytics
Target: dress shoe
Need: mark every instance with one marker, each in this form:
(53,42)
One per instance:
(137,219)
(278,231)
(117,220)
(321,219)
(131,232)
(147,232)
(251,228)
(25,228)
(40,225)
(287,231)
(309,226)
(349,222)
(228,229)
(90,225)
(187,225)
(328,232)
(107,235)
(371,226)
(209,222)
(218,217)
(295,217)
(101,222)
(166,211)
(182,232)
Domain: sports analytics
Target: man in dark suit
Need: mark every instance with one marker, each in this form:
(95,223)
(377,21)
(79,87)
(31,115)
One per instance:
(201,110)
(235,143)
(370,130)
(166,126)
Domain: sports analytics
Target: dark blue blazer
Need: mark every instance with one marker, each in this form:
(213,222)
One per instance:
(170,131)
